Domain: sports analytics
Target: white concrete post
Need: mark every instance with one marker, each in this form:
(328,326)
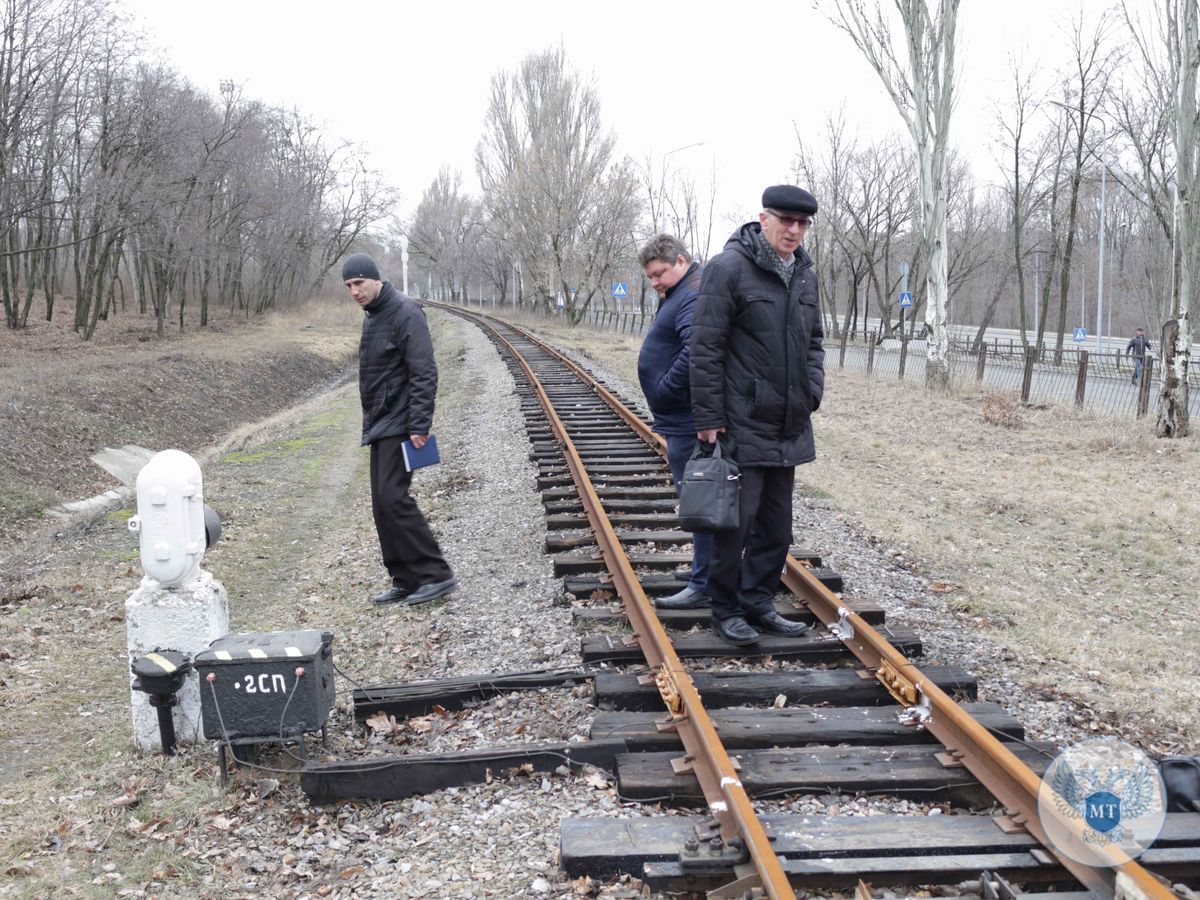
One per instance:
(177,606)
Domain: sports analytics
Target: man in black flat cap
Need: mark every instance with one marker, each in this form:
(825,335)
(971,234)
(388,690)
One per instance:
(397,381)
(757,375)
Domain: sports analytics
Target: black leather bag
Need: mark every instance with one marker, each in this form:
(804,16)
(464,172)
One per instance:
(1181,778)
(708,493)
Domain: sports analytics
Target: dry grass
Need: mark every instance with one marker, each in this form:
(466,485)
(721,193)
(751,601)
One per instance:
(1072,538)
(1003,411)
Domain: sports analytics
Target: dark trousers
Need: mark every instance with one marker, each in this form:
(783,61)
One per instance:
(410,551)
(743,573)
(679,451)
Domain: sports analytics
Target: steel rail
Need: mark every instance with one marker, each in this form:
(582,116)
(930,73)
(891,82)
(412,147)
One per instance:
(705,755)
(628,416)
(1007,778)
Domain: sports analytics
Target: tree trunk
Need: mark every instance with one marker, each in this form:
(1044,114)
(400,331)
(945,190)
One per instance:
(1177,333)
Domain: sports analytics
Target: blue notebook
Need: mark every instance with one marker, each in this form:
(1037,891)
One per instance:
(419,459)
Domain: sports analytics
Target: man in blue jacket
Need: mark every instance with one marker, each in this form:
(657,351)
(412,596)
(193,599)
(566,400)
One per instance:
(397,382)
(758,373)
(663,373)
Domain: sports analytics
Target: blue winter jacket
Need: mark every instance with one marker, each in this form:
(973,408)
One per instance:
(663,361)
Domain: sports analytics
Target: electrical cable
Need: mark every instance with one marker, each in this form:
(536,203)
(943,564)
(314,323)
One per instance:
(229,741)
(383,763)
(480,681)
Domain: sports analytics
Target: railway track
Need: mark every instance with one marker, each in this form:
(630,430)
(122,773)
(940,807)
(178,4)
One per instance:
(611,527)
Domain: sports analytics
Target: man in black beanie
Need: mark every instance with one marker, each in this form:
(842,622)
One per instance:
(757,376)
(397,381)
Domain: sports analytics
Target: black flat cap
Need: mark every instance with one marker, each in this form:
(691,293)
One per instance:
(789,198)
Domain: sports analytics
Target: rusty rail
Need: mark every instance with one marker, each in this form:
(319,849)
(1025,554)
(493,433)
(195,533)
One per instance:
(705,755)
(1007,778)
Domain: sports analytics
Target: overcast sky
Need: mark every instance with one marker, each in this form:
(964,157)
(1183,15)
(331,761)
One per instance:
(409,81)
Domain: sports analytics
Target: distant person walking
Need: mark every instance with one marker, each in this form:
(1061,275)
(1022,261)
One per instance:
(1139,346)
(397,381)
(663,373)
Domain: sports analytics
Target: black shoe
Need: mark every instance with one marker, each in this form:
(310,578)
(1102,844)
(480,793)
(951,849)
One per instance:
(683,573)
(735,630)
(431,591)
(773,623)
(394,594)
(688,598)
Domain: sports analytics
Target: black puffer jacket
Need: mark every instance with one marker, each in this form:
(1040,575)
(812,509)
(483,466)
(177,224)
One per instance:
(757,358)
(397,375)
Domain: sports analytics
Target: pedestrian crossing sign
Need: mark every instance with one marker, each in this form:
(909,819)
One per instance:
(620,290)
(1080,335)
(906,299)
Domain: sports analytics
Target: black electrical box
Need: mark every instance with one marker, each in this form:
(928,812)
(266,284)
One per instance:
(265,686)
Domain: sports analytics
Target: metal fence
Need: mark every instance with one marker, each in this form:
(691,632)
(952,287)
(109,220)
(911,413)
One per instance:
(1101,383)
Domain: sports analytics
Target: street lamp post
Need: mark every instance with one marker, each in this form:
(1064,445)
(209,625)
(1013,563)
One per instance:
(1103,211)
(404,261)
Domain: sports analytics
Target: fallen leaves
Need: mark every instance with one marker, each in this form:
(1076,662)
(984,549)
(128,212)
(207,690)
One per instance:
(149,828)
(382,723)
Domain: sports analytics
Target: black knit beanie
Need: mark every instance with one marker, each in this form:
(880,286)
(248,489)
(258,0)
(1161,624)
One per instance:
(360,266)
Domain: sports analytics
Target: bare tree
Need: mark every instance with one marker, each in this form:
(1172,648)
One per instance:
(866,195)
(921,86)
(120,178)
(552,189)
(1023,188)
(444,234)
(1084,92)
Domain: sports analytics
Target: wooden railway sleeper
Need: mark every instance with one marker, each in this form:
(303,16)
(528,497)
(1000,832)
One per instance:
(685,765)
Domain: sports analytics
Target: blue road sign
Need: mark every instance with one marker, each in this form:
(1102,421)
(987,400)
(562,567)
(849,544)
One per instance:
(906,299)
(620,290)
(1080,335)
